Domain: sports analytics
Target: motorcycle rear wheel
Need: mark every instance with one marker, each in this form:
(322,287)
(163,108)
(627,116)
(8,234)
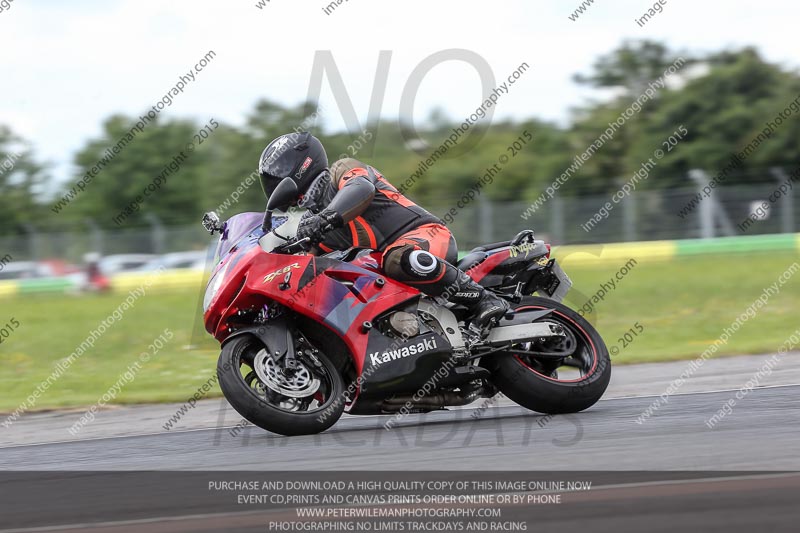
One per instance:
(536,383)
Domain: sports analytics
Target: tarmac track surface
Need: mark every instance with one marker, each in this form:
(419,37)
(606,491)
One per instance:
(761,433)
(735,476)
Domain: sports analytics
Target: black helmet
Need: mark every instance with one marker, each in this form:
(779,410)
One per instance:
(299,155)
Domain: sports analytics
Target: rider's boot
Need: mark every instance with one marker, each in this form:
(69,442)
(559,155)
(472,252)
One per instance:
(485,306)
(438,278)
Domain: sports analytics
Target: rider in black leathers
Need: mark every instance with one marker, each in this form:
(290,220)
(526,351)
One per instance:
(359,208)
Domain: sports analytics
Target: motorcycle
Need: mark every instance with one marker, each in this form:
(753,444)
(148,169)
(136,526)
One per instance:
(305,338)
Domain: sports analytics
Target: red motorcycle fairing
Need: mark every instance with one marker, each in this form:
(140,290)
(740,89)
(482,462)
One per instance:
(485,268)
(506,264)
(394,365)
(342,296)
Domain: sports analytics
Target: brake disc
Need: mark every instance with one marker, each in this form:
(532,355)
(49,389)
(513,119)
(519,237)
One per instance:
(298,383)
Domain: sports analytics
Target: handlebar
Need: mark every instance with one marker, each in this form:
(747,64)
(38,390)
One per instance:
(302,245)
(293,246)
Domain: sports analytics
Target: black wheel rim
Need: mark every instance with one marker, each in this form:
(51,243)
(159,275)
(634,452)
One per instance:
(259,382)
(577,341)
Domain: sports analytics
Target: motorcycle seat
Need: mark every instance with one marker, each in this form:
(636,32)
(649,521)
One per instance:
(490,247)
(472,259)
(525,235)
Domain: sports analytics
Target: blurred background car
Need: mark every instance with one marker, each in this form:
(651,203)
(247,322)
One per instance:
(194,260)
(115,264)
(25,270)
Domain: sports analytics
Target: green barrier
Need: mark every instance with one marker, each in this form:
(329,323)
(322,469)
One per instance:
(667,250)
(726,245)
(44,285)
(594,253)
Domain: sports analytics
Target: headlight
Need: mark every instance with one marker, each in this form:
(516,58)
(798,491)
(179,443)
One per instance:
(213,287)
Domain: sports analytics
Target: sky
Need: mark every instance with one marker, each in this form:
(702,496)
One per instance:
(67,66)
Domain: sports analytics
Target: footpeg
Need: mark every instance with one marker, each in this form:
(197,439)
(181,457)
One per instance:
(464,374)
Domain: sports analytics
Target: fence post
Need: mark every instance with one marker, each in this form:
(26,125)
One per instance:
(33,249)
(157,233)
(787,209)
(95,237)
(486,220)
(557,220)
(629,218)
(706,208)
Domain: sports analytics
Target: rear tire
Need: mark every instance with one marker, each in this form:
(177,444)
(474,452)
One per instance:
(534,383)
(254,407)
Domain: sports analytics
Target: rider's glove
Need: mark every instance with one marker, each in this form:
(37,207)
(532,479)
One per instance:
(314,227)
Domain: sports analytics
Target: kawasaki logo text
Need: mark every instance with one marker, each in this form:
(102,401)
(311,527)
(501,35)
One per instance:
(378,358)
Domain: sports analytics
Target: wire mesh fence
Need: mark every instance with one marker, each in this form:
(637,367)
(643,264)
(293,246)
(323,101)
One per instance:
(642,216)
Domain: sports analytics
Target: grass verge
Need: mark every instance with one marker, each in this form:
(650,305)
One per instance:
(683,305)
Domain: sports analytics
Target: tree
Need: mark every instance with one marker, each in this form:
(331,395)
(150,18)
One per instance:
(21,180)
(632,66)
(158,154)
(724,111)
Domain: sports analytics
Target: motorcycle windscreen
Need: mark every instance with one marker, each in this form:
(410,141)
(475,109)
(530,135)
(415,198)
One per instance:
(234,229)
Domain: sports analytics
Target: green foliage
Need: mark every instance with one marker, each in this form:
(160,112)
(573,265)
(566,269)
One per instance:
(137,166)
(632,66)
(724,111)
(698,286)
(20,180)
(724,101)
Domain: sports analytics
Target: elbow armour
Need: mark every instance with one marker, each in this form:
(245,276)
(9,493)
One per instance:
(353,199)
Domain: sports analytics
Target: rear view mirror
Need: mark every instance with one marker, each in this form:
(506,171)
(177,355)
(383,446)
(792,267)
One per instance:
(283,196)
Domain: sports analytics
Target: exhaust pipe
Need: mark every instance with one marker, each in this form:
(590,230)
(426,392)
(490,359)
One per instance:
(434,401)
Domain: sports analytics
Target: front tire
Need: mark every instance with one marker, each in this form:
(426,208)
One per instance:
(268,409)
(534,383)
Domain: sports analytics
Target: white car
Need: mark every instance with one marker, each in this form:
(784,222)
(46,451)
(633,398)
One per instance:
(115,264)
(24,270)
(195,260)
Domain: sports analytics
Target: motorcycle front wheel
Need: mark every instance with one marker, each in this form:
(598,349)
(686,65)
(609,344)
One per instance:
(304,400)
(553,384)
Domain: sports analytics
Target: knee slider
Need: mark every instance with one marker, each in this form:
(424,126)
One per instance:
(420,263)
(412,264)
(392,262)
